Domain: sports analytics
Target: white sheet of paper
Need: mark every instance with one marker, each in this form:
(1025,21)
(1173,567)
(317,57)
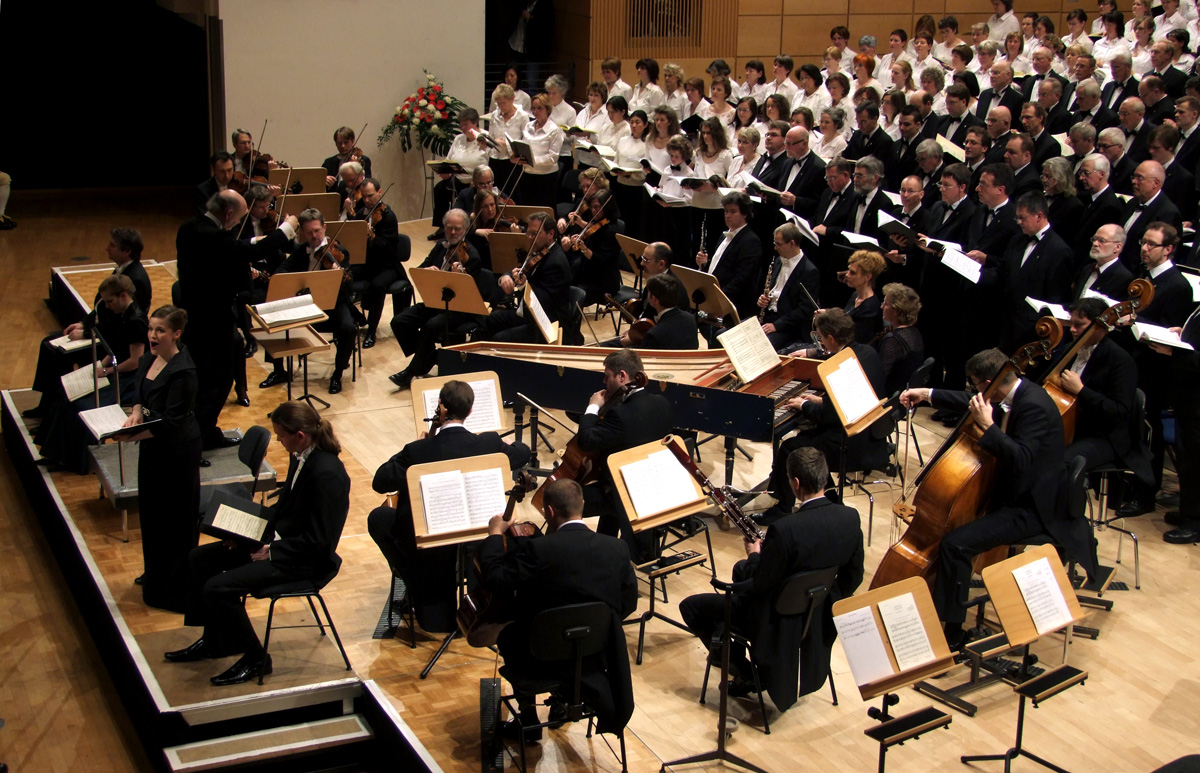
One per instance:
(101,421)
(1064,143)
(485,416)
(485,495)
(657,483)
(849,385)
(549,329)
(238,522)
(749,349)
(1056,309)
(1144,331)
(445,502)
(949,148)
(863,645)
(960,264)
(1043,596)
(856,238)
(1194,281)
(79,382)
(67,345)
(894,198)
(1090,293)
(906,632)
(285,310)
(804,226)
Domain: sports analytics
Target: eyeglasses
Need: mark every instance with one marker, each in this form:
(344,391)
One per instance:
(1098,240)
(1151,245)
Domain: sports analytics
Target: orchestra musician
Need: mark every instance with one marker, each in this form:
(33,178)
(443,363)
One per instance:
(221,165)
(343,139)
(570,565)
(301,542)
(485,218)
(819,535)
(482,180)
(592,248)
(466,152)
(789,301)
(419,328)
(429,573)
(674,327)
(381,268)
(246,158)
(349,187)
(547,271)
(1022,429)
(164,392)
(259,222)
(736,263)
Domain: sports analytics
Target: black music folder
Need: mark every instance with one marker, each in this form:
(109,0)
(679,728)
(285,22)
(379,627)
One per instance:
(233,517)
(692,124)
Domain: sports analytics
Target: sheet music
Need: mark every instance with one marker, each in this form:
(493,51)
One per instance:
(294,309)
(1043,596)
(64,343)
(894,198)
(101,421)
(657,483)
(863,645)
(857,238)
(485,416)
(236,521)
(1056,309)
(1144,331)
(749,350)
(1194,281)
(850,387)
(539,315)
(948,147)
(906,632)
(444,498)
(1090,293)
(804,226)
(960,264)
(79,382)
(485,495)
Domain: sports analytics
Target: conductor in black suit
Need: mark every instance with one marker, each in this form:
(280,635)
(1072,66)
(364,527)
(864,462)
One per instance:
(737,261)
(631,416)
(819,535)
(213,267)
(1022,429)
(674,327)
(300,544)
(788,305)
(222,173)
(429,573)
(570,565)
(1104,273)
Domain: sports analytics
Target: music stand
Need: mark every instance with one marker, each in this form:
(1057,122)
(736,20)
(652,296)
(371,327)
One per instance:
(454,291)
(487,415)
(846,385)
(296,180)
(549,329)
(351,234)
(323,286)
(330,204)
(705,292)
(519,213)
(633,249)
(504,247)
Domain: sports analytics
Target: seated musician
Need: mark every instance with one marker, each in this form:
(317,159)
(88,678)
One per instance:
(343,139)
(429,573)
(819,535)
(260,222)
(62,435)
(790,299)
(482,179)
(301,544)
(548,273)
(419,328)
(221,165)
(674,328)
(381,268)
(618,417)
(314,253)
(570,565)
(464,151)
(589,181)
(1023,430)
(349,187)
(486,220)
(246,158)
(592,249)
(125,249)
(835,331)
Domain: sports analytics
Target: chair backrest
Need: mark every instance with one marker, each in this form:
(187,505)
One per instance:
(805,591)
(253,449)
(1075,497)
(403,251)
(571,632)
(1142,431)
(920,376)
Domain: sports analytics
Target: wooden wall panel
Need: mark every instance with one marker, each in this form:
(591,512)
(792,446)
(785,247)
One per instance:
(758,37)
(805,38)
(760,7)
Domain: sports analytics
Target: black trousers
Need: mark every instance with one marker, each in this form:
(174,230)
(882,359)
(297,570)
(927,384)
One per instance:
(429,574)
(507,325)
(704,615)
(380,278)
(168,506)
(213,355)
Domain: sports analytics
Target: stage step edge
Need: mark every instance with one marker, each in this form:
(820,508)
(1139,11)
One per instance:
(274,743)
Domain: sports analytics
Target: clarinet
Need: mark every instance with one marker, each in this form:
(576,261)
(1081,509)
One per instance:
(723,497)
(767,290)
(704,234)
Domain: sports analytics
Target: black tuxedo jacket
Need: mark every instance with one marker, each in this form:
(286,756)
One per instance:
(437,258)
(819,535)
(307,521)
(932,186)
(993,239)
(299,260)
(551,280)
(1102,118)
(1012,98)
(643,416)
(795,310)
(738,271)
(869,226)
(1188,154)
(1180,188)
(955,228)
(1172,300)
(908,272)
(1139,149)
(454,442)
(1065,213)
(1027,180)
(901,162)
(879,144)
(1045,148)
(1058,119)
(808,185)
(1113,282)
(203,192)
(995,154)
(675,329)
(1099,210)
(770,171)
(841,216)
(143,294)
(1174,82)
(1159,208)
(1120,173)
(959,135)
(1163,108)
(1046,275)
(1123,92)
(1105,404)
(1033,80)
(333,163)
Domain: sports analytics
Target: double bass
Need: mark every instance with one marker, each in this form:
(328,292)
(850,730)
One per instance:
(956,484)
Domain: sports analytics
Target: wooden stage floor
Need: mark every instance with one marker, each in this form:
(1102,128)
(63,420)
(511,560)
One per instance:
(1136,711)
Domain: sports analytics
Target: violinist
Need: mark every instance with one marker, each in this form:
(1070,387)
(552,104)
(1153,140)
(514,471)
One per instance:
(429,574)
(618,417)
(349,187)
(381,268)
(343,138)
(1022,429)
(245,159)
(420,327)
(547,271)
(487,220)
(482,180)
(221,165)
(465,151)
(675,328)
(317,253)
(592,249)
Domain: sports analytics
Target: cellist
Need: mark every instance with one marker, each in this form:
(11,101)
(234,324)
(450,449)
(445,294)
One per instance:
(1022,429)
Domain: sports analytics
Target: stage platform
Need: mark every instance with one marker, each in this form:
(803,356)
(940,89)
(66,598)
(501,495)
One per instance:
(1135,713)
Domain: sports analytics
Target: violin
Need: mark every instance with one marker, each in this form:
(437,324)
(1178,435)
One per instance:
(637,327)
(332,257)
(241,183)
(956,483)
(460,254)
(375,218)
(588,232)
(577,464)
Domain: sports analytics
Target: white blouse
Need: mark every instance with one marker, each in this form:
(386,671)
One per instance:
(545,143)
(646,97)
(609,133)
(629,153)
(739,171)
(828,149)
(500,129)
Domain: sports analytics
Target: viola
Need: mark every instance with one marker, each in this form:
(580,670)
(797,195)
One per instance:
(579,465)
(638,327)
(956,483)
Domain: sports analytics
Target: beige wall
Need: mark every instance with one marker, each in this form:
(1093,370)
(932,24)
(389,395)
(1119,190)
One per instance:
(310,66)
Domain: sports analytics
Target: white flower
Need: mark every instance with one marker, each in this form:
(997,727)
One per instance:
(423,103)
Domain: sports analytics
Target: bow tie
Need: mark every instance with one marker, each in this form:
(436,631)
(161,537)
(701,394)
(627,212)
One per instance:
(676,167)
(1032,239)
(727,235)
(1129,132)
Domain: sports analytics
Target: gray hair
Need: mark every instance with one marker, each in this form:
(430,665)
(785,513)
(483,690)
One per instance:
(456,212)
(871,165)
(929,149)
(837,115)
(557,83)
(1059,170)
(352,166)
(989,47)
(1099,162)
(867,40)
(1113,134)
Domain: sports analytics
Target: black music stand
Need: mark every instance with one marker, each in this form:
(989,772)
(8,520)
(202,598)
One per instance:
(457,293)
(324,286)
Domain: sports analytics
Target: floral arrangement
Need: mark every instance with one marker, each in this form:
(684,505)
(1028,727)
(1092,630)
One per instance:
(431,112)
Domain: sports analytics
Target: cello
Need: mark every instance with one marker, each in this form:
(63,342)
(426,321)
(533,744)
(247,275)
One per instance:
(1141,294)
(956,484)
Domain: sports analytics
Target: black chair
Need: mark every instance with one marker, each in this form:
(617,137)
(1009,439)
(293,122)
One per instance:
(251,451)
(571,335)
(308,590)
(401,290)
(1099,515)
(176,295)
(803,593)
(563,635)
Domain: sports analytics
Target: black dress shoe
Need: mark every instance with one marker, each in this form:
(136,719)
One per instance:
(1182,536)
(368,340)
(228,442)
(335,384)
(558,715)
(273,378)
(251,348)
(141,578)
(205,462)
(1173,518)
(402,379)
(941,415)
(35,412)
(1134,509)
(243,401)
(438,234)
(245,669)
(1168,500)
(512,730)
(741,688)
(199,650)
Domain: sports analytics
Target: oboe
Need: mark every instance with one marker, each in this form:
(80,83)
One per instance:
(704,234)
(723,498)
(767,290)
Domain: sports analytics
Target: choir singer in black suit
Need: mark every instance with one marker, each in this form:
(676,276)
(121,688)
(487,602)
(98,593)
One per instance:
(570,565)
(428,574)
(819,535)
(300,544)
(1104,273)
(790,300)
